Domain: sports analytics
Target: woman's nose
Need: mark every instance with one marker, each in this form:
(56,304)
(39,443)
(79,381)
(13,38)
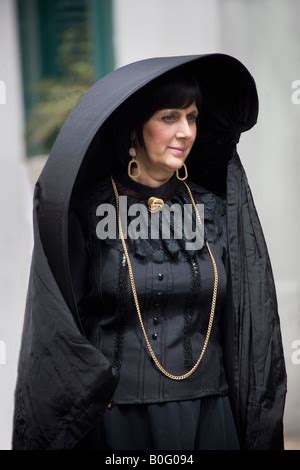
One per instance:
(184,129)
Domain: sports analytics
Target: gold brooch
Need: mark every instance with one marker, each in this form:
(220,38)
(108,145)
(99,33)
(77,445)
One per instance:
(155,204)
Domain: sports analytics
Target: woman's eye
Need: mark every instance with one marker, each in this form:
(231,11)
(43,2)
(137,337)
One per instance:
(168,118)
(171,118)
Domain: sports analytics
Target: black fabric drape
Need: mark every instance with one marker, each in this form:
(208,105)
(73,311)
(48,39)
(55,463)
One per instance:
(64,383)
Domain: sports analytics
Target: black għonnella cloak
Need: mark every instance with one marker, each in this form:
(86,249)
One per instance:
(64,383)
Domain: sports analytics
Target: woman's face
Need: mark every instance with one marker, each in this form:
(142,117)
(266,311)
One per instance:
(169,136)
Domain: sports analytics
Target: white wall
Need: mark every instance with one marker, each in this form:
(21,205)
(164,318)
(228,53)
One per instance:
(16,231)
(170,27)
(267,35)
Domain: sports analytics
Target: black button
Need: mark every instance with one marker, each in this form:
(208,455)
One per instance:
(155,320)
(156,304)
(154,336)
(159,293)
(160,276)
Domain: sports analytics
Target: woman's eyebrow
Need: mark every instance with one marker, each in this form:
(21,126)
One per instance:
(174,110)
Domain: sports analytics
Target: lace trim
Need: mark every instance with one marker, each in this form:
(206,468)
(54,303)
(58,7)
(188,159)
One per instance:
(160,250)
(188,313)
(122,288)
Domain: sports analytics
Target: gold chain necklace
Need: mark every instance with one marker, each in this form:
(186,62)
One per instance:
(214,297)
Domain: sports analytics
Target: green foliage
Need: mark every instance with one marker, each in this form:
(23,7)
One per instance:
(56,97)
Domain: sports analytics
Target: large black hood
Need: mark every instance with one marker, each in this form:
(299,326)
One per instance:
(231,107)
(64,383)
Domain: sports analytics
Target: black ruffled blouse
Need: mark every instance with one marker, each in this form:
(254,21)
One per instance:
(174,287)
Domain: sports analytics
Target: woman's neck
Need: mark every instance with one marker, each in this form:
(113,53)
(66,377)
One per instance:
(153,181)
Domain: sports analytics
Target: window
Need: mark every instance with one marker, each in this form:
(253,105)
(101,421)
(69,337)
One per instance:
(66,45)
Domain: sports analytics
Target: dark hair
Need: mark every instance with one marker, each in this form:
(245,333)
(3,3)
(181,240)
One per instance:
(174,89)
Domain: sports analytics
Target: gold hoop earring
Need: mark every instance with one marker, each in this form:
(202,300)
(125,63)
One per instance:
(132,153)
(134,160)
(186,173)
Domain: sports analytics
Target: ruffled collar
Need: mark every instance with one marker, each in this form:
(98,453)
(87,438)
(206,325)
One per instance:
(160,250)
(173,191)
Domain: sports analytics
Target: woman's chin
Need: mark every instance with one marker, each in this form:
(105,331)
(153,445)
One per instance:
(175,165)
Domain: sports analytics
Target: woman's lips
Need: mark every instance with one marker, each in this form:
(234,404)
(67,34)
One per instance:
(177,150)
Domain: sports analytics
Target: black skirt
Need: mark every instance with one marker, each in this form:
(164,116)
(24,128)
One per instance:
(200,424)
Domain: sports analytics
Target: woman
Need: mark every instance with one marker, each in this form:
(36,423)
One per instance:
(162,120)
(117,374)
